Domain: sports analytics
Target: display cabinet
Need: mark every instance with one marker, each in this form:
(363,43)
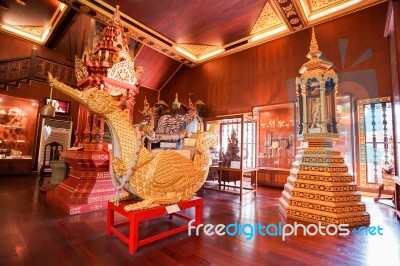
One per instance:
(235,159)
(237,146)
(277,142)
(17,134)
(345,143)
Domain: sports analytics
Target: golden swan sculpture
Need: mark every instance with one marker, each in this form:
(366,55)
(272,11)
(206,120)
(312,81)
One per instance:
(165,177)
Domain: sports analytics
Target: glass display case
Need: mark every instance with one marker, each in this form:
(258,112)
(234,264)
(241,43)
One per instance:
(278,136)
(235,159)
(344,117)
(278,141)
(17,134)
(237,146)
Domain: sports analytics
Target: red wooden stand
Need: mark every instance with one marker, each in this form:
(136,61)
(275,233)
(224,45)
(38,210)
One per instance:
(135,217)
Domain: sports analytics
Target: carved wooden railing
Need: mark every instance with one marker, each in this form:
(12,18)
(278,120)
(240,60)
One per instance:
(24,69)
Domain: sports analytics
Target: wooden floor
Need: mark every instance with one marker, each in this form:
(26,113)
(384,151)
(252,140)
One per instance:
(33,231)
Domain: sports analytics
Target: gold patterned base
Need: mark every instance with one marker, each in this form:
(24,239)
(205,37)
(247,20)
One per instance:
(320,189)
(355,219)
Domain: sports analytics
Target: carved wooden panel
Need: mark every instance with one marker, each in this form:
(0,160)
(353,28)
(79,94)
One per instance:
(62,73)
(14,70)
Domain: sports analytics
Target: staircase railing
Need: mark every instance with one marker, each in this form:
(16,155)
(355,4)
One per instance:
(24,69)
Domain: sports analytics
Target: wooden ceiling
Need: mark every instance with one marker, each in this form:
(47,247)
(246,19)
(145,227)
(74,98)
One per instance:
(181,32)
(31,20)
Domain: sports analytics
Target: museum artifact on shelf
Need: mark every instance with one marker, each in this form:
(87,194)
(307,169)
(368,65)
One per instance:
(17,134)
(235,159)
(319,188)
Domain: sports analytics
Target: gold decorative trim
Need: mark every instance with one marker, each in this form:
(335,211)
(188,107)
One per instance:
(267,19)
(330,209)
(34,30)
(197,49)
(84,9)
(324,198)
(320,187)
(322,178)
(81,71)
(291,14)
(319,4)
(325,220)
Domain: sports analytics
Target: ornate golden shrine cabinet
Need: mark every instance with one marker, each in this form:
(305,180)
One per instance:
(108,67)
(320,188)
(167,127)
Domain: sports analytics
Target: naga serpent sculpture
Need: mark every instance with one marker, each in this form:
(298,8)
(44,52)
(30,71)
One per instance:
(165,177)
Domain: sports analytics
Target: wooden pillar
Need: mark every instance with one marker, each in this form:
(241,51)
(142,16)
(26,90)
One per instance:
(323,105)
(304,94)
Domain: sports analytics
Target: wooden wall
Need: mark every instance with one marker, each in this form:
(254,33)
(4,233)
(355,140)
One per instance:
(13,47)
(152,98)
(265,74)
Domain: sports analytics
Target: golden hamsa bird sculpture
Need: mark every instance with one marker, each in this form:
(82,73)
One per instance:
(161,178)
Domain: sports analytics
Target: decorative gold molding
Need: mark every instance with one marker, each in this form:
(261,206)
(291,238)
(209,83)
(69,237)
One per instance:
(323,10)
(197,49)
(291,14)
(34,30)
(267,19)
(319,4)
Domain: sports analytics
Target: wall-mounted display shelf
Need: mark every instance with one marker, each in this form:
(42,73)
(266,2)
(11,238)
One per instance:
(17,134)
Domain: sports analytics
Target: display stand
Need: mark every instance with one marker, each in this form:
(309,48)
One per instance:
(135,217)
(222,186)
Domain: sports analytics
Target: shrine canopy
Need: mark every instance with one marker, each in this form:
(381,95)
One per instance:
(316,92)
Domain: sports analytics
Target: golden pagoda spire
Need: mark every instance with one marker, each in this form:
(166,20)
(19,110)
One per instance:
(314,52)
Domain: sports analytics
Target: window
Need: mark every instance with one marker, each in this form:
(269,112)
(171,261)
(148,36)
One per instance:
(376,147)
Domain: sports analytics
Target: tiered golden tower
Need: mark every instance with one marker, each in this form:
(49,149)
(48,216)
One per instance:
(320,188)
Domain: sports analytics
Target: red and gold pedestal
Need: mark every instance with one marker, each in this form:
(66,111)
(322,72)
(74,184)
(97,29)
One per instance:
(88,186)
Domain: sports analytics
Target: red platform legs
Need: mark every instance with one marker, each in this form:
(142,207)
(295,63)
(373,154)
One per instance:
(135,217)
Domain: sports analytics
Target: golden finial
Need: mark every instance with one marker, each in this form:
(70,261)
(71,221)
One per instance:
(314,52)
(116,16)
